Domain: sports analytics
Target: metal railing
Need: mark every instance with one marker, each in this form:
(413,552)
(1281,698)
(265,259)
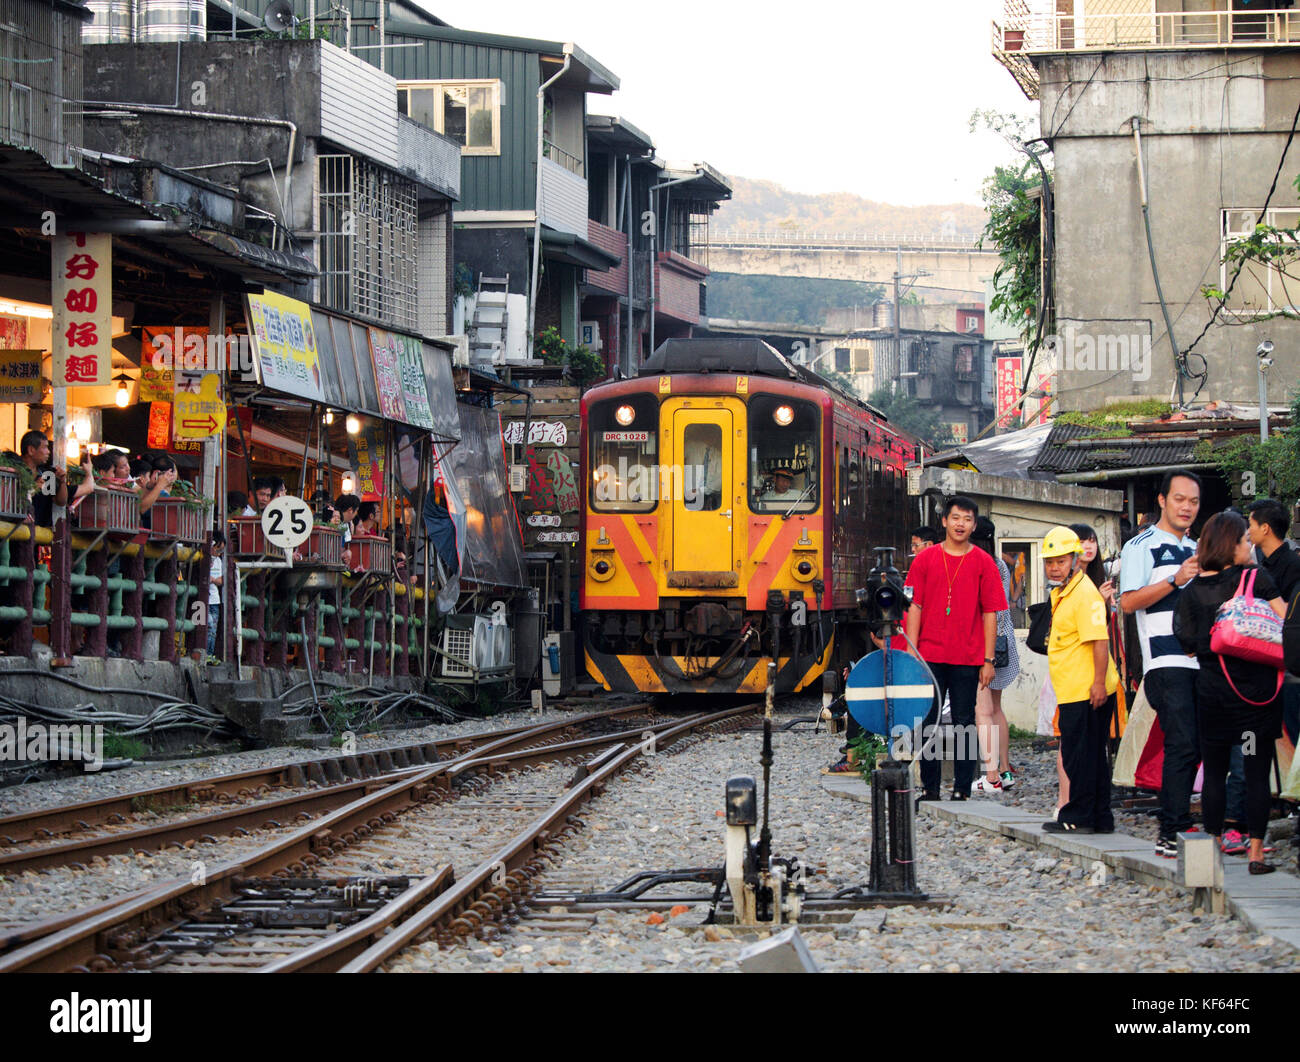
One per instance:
(1134,25)
(882,240)
(563,158)
(96,592)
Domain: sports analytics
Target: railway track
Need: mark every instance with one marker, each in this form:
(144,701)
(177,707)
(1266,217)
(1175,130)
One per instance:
(350,887)
(126,822)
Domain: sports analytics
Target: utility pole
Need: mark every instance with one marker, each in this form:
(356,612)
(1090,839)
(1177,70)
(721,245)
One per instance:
(900,289)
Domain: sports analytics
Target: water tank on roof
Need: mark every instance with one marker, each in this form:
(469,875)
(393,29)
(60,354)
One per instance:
(172,20)
(111,23)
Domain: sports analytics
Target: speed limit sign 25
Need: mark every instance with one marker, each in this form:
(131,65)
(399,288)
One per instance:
(287,522)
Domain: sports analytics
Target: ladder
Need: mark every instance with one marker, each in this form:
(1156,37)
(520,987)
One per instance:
(487,330)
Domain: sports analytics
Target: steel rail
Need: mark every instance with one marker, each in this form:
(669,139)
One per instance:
(126,925)
(478,895)
(67,818)
(267,813)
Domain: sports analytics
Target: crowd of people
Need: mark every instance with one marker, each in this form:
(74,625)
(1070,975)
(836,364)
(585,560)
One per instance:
(154,476)
(151,476)
(1220,706)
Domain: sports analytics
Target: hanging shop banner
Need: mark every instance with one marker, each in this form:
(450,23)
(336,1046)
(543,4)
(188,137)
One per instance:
(285,344)
(385,352)
(1008,389)
(198,410)
(1040,413)
(160,425)
(414,393)
(543,432)
(159,435)
(409,447)
(399,374)
(20,375)
(81,334)
(13,332)
(366,449)
(164,349)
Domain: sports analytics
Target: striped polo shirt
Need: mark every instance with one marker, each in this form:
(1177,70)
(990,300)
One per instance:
(1151,557)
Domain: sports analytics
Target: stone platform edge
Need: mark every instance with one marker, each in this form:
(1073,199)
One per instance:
(1269,905)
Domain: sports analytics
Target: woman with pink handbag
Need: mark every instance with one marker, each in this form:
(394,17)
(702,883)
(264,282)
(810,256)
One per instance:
(1228,619)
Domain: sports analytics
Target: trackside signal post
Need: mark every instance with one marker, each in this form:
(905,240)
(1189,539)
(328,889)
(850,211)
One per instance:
(889,690)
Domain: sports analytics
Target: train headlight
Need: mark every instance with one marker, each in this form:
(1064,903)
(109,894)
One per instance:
(602,566)
(783,415)
(803,565)
(625,415)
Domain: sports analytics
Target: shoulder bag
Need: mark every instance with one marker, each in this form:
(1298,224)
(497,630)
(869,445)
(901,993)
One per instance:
(1247,628)
(1040,627)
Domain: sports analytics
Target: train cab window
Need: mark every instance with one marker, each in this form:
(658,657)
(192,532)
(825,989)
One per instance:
(624,434)
(702,471)
(783,464)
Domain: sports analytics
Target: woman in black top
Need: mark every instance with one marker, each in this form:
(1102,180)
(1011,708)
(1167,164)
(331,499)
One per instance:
(1249,714)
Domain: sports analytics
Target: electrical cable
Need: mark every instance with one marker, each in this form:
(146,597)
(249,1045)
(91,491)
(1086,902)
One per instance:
(1223,301)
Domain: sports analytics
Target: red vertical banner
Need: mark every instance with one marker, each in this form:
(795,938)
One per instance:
(1008,390)
(159,434)
(81,334)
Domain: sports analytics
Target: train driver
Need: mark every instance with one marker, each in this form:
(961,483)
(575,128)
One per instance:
(781,487)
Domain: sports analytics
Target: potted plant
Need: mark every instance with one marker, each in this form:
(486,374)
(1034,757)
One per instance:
(324,546)
(16,486)
(182,515)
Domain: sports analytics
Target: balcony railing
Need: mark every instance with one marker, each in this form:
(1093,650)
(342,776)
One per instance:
(1122,24)
(561,157)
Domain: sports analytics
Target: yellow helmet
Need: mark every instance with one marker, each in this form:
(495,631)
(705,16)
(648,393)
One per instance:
(1060,542)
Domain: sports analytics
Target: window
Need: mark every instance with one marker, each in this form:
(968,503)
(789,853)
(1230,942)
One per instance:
(20,115)
(843,360)
(702,474)
(1019,559)
(467,111)
(783,467)
(624,473)
(862,359)
(1262,288)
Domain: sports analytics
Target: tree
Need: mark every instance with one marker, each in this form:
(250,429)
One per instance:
(1014,227)
(1254,469)
(907,413)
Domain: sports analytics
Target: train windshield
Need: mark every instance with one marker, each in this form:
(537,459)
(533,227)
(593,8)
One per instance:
(624,470)
(783,434)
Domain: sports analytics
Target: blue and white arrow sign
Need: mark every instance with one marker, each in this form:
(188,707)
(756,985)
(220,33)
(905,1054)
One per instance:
(904,701)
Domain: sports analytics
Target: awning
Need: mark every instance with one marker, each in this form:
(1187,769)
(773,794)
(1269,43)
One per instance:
(29,184)
(566,247)
(494,547)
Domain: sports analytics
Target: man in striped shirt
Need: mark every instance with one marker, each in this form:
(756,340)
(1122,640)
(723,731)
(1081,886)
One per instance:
(1154,567)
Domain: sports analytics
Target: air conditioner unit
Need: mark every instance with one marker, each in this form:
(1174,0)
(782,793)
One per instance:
(467,642)
(482,654)
(458,647)
(502,646)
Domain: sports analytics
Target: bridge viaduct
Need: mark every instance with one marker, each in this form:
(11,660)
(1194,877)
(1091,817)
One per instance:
(954,262)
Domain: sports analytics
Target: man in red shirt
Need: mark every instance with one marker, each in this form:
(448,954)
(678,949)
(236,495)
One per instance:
(952,626)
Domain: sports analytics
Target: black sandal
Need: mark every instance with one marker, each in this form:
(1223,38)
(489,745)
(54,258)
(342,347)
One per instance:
(1258,866)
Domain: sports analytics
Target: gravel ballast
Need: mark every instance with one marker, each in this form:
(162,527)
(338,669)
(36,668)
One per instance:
(1012,907)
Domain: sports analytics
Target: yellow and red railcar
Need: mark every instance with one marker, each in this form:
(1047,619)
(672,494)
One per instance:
(732,503)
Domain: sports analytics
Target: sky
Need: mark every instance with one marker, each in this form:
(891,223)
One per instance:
(867,97)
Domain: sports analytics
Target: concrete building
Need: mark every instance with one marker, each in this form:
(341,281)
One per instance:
(625,179)
(1199,97)
(314,144)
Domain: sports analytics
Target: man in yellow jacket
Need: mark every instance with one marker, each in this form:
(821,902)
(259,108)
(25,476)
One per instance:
(1085,679)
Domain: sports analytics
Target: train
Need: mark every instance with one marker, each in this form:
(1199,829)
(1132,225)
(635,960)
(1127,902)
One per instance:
(732,503)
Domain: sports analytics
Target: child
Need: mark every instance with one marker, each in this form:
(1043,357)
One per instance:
(216,577)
